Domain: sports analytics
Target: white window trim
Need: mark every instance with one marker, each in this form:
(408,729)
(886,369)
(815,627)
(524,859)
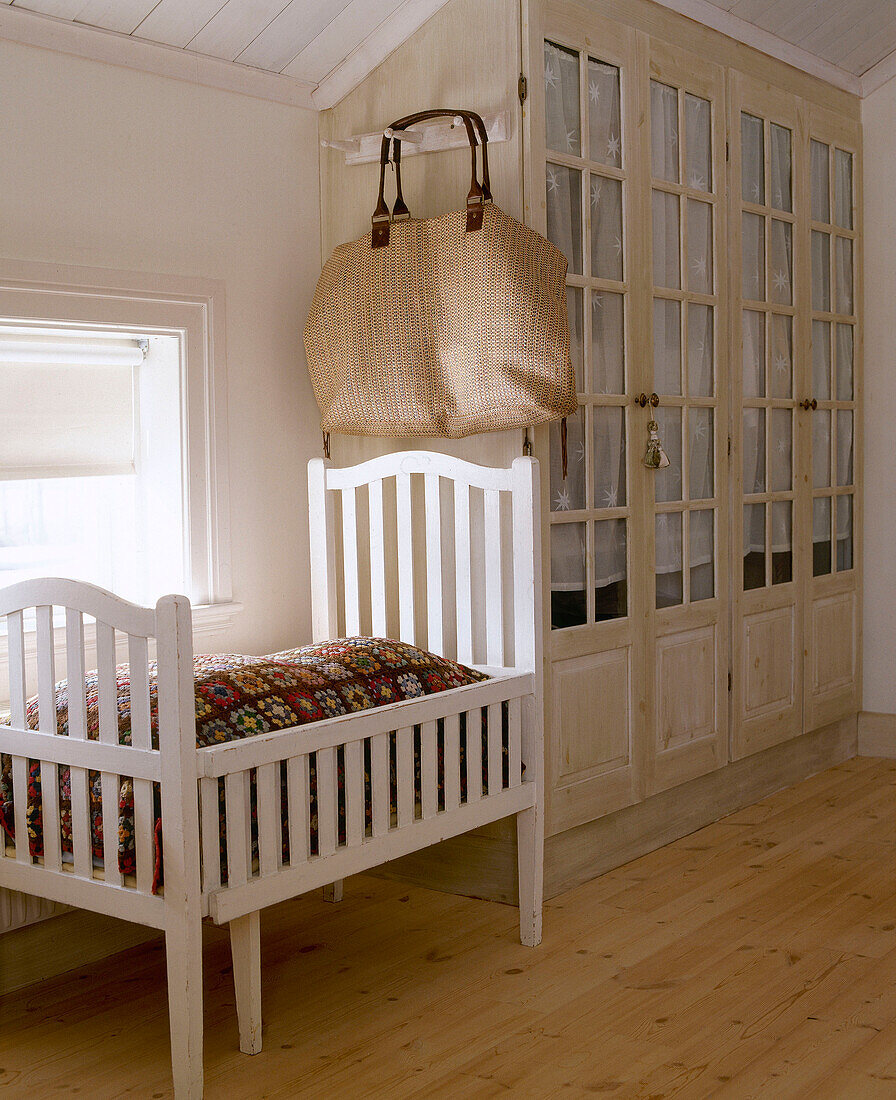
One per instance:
(192,308)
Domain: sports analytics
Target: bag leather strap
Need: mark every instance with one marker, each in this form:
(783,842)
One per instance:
(478,193)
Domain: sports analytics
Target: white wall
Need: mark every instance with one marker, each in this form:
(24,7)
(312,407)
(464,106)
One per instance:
(106,167)
(879,120)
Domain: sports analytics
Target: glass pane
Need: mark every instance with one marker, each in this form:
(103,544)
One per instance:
(564,201)
(781,374)
(664,131)
(844,533)
(698,142)
(607,342)
(844,447)
(669,585)
(821,360)
(666,346)
(821,272)
(821,536)
(781,274)
(666,267)
(604,125)
(610,580)
(821,448)
(843,189)
(699,247)
(821,197)
(779,146)
(563,125)
(609,457)
(754,353)
(568,495)
(754,450)
(568,601)
(754,546)
(844,275)
(700,350)
(576,334)
(752,170)
(606,228)
(844,362)
(781,457)
(702,555)
(667,482)
(782,542)
(701,463)
(754,257)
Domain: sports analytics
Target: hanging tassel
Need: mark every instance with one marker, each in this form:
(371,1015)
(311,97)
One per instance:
(563,452)
(655,458)
(326,436)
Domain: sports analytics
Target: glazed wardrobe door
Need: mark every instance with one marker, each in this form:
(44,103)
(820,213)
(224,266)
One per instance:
(588,145)
(769,323)
(688,499)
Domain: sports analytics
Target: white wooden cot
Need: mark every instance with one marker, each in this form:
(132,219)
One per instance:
(461,543)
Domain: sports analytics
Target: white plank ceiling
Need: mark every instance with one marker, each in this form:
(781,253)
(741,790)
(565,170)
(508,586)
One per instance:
(329,46)
(854,35)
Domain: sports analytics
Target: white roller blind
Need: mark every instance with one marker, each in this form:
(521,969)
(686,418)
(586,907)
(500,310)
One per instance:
(66,407)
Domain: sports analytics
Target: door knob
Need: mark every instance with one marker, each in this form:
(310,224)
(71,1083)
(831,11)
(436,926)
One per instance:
(643,400)
(807,404)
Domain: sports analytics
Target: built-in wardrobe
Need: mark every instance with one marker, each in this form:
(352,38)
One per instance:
(701,620)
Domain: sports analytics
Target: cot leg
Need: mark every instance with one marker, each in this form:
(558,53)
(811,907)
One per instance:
(530,862)
(245,950)
(333,892)
(183,951)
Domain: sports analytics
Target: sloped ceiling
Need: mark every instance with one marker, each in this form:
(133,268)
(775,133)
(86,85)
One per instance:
(313,52)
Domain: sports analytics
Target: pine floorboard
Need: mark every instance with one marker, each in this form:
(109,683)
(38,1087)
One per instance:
(754,958)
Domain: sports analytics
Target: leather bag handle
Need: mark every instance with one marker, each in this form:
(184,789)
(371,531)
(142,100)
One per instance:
(478,194)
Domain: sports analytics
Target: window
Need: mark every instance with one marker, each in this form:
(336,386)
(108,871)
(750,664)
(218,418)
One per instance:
(112,448)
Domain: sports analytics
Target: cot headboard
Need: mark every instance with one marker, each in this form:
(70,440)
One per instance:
(431,550)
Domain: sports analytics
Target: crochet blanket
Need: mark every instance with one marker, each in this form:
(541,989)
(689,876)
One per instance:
(238,696)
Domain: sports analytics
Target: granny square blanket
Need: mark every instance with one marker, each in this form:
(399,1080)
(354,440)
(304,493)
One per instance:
(238,696)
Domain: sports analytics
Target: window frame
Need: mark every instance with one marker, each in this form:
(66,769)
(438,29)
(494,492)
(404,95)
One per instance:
(193,310)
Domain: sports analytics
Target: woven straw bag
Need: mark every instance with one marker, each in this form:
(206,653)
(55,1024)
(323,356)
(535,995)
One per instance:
(443,327)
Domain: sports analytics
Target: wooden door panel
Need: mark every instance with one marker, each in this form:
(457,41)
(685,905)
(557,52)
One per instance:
(592,713)
(770,647)
(686,688)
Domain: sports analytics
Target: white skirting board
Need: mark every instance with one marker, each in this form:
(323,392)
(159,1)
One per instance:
(17,910)
(877,734)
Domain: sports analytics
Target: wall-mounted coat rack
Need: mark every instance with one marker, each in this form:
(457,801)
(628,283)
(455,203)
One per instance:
(425,138)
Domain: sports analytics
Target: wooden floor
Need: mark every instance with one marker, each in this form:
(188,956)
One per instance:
(755,958)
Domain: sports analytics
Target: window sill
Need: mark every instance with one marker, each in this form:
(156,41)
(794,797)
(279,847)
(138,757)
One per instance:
(212,618)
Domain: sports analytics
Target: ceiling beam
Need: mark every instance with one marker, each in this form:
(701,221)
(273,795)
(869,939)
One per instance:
(63,36)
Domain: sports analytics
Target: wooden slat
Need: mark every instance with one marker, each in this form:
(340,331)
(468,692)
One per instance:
(16,647)
(452,761)
(494,579)
(176,23)
(429,762)
(514,742)
(350,564)
(462,573)
(236,794)
(435,640)
(406,620)
(405,748)
(327,832)
(354,793)
(46,697)
(108,717)
(378,610)
(269,830)
(379,783)
(209,813)
(82,840)
(495,749)
(473,757)
(297,808)
(141,738)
